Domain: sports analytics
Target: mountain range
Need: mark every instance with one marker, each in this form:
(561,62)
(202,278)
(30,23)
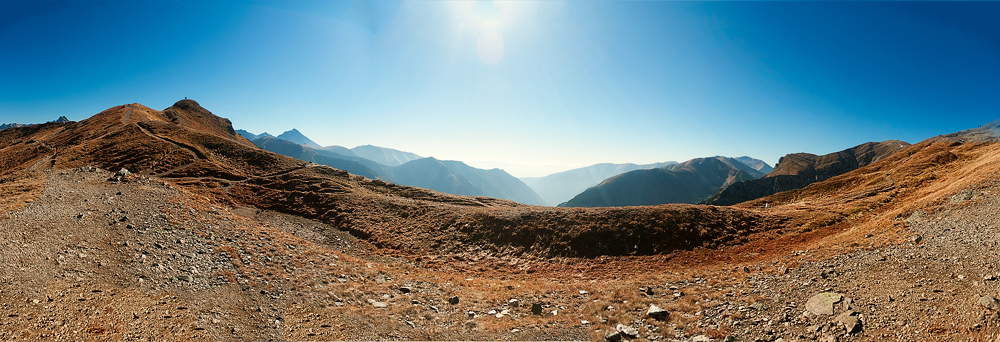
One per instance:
(451,177)
(687,182)
(798,170)
(251,136)
(560,187)
(61,119)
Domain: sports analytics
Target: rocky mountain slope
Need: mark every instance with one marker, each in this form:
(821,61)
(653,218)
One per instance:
(560,187)
(795,171)
(687,182)
(185,247)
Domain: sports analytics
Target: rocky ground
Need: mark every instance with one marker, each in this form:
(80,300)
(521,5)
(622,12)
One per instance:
(940,285)
(105,256)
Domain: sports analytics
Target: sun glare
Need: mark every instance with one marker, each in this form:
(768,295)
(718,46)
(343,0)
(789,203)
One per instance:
(488,19)
(490,47)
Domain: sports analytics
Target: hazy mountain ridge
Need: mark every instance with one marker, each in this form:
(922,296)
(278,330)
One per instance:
(560,187)
(251,136)
(384,155)
(755,164)
(687,182)
(301,152)
(451,177)
(798,170)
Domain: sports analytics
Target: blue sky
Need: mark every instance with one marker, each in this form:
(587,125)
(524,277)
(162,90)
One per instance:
(532,87)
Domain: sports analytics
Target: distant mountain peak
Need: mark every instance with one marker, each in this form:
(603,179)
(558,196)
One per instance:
(297,137)
(755,164)
(61,119)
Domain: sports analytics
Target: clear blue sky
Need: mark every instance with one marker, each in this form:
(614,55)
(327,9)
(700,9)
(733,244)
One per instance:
(558,83)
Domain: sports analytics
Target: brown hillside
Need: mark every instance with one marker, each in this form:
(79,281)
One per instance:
(187,250)
(797,170)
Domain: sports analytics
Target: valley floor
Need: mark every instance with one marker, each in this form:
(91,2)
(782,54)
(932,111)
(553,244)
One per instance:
(139,260)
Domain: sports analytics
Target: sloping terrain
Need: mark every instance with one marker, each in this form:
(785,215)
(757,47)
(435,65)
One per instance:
(184,249)
(797,170)
(688,182)
(560,187)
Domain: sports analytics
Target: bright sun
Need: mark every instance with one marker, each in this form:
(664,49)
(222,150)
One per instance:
(490,47)
(489,18)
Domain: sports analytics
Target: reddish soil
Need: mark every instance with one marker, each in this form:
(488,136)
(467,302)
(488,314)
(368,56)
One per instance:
(195,197)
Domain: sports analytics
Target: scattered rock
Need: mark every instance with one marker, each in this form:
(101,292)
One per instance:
(536,308)
(627,330)
(846,304)
(655,312)
(405,289)
(514,303)
(989,302)
(916,239)
(453,300)
(613,336)
(822,304)
(782,270)
(701,338)
(850,321)
(378,304)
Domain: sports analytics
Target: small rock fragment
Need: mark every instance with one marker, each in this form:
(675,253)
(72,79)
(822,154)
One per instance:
(453,300)
(378,304)
(536,308)
(989,302)
(627,330)
(613,336)
(655,312)
(850,321)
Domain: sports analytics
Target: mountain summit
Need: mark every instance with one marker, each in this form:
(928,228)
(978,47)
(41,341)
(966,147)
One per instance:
(297,137)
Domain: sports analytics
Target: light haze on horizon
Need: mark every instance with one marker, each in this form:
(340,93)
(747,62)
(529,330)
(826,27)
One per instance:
(530,87)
